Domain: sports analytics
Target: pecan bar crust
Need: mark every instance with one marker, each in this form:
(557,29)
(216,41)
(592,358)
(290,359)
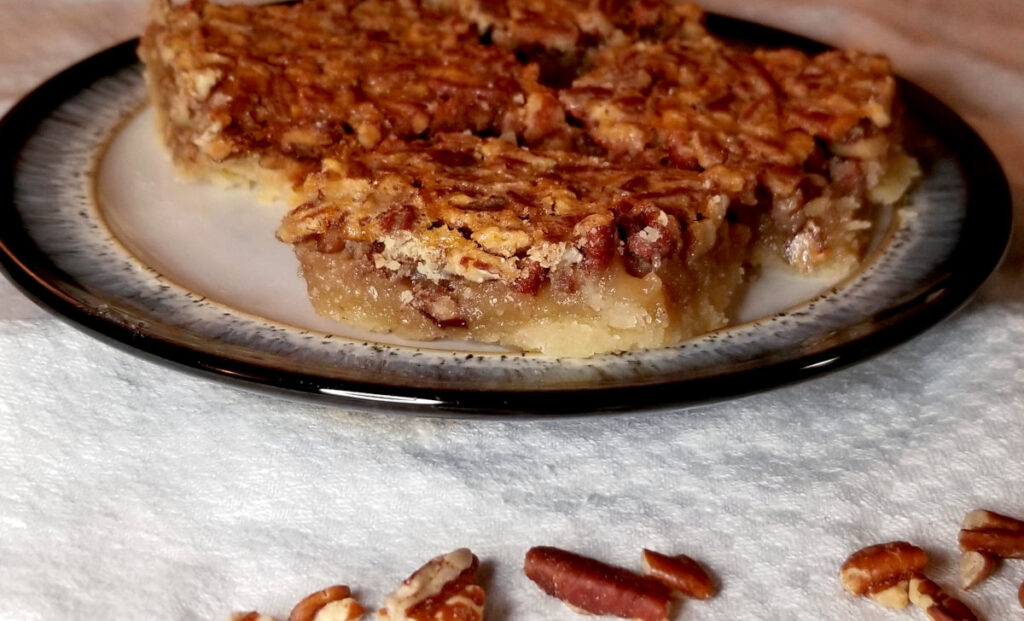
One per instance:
(571,177)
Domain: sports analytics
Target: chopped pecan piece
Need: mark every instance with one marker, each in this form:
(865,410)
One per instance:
(976,566)
(444,589)
(595,587)
(940,606)
(680,573)
(437,303)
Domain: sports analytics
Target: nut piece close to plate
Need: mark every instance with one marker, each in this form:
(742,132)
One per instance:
(983,519)
(993,534)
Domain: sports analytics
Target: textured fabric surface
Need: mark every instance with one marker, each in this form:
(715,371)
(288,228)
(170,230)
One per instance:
(133,491)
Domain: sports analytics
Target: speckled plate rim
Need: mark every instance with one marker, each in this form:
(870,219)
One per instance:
(981,241)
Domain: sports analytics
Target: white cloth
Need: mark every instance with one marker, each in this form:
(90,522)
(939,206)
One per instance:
(132,491)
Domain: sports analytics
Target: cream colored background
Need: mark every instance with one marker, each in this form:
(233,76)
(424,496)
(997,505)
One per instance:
(131,491)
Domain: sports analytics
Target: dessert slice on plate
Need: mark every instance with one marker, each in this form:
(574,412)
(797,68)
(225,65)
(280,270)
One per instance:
(570,177)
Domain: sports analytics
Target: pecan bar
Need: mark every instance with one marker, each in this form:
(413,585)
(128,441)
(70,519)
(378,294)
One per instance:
(571,176)
(543,250)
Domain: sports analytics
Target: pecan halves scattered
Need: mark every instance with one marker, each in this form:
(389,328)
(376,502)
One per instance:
(335,603)
(681,574)
(940,606)
(595,587)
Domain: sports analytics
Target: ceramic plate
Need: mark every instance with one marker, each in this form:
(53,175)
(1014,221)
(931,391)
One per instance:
(95,226)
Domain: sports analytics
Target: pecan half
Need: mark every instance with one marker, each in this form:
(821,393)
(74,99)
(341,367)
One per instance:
(436,302)
(595,587)
(596,240)
(680,573)
(1001,543)
(993,534)
(883,565)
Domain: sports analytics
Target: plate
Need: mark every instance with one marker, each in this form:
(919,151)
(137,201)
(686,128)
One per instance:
(94,226)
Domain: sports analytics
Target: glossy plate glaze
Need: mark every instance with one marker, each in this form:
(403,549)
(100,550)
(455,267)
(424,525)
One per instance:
(94,226)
